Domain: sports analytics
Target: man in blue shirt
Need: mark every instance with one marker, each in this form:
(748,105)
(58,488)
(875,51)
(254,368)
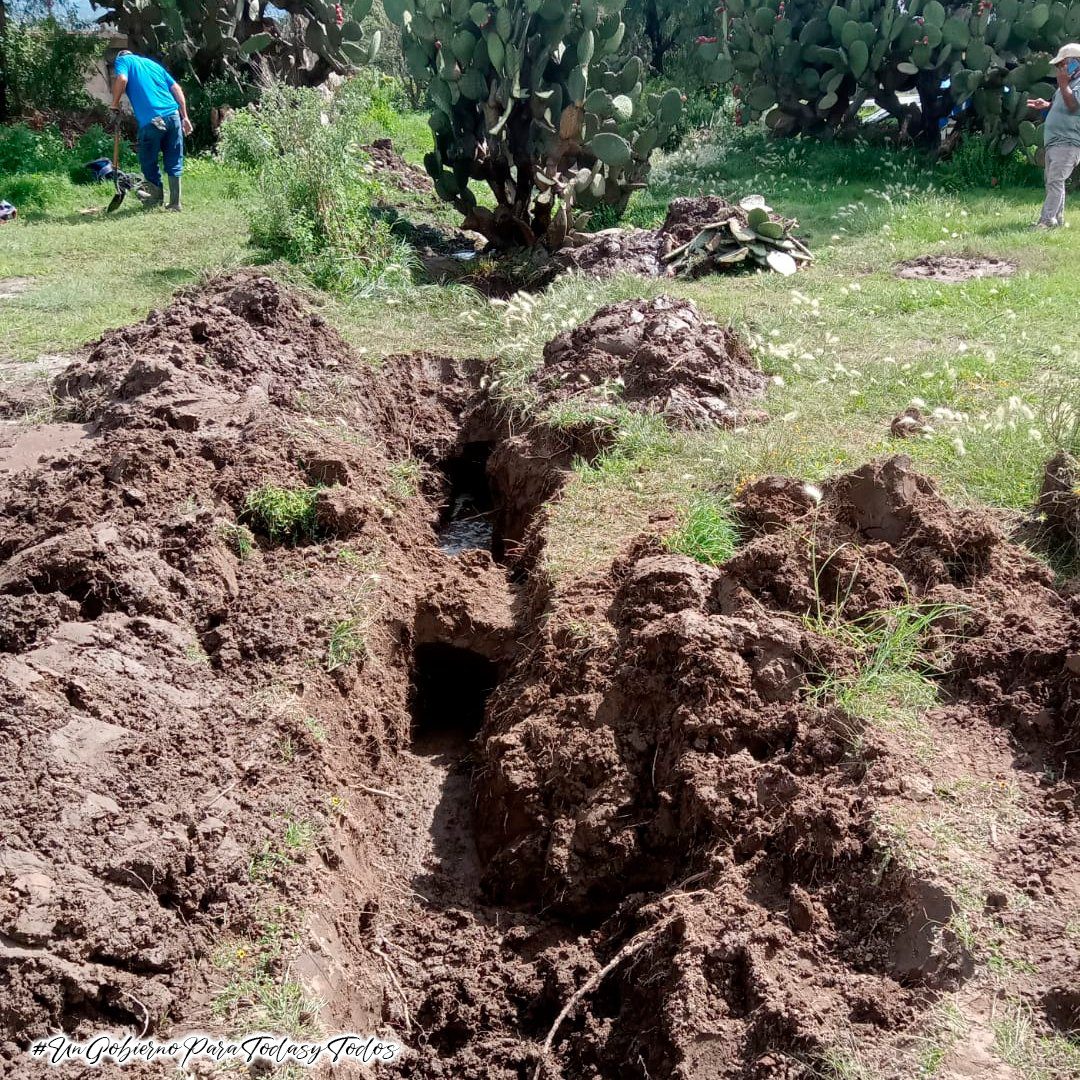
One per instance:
(161,114)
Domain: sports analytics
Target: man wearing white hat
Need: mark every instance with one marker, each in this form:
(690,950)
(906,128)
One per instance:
(1061,134)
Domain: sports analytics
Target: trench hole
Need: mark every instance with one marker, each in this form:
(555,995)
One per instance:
(450,689)
(468,520)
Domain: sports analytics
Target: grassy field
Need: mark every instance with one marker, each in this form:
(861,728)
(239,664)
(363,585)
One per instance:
(850,345)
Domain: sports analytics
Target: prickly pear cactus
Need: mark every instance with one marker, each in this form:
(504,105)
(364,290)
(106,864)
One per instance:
(531,98)
(808,66)
(210,39)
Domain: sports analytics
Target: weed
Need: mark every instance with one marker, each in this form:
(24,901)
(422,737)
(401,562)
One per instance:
(196,654)
(240,539)
(348,635)
(707,532)
(286,748)
(315,728)
(1034,1056)
(285,514)
(892,687)
(254,997)
(297,840)
(404,479)
(347,642)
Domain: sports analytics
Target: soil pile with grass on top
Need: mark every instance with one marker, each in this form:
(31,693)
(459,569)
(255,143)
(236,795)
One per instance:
(657,356)
(953,268)
(1059,499)
(660,765)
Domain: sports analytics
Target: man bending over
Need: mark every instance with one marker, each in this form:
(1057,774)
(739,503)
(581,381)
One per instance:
(161,114)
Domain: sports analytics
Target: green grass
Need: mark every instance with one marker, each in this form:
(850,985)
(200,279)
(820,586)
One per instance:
(285,515)
(892,686)
(707,532)
(90,272)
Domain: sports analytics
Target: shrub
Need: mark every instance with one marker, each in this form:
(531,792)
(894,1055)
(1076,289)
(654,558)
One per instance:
(531,100)
(46,65)
(25,151)
(315,192)
(976,165)
(31,193)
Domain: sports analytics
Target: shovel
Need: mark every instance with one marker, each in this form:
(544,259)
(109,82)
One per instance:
(118,176)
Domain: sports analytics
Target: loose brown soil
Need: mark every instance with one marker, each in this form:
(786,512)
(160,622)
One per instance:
(657,356)
(953,268)
(397,170)
(623,795)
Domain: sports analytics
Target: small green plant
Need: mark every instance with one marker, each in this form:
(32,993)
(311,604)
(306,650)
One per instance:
(196,654)
(315,728)
(405,478)
(347,643)
(707,532)
(240,539)
(286,515)
(1034,1056)
(893,686)
(256,994)
(298,838)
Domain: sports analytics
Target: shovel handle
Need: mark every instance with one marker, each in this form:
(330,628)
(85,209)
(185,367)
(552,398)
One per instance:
(116,145)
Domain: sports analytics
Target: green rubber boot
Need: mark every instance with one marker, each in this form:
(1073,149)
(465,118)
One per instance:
(153,197)
(174,195)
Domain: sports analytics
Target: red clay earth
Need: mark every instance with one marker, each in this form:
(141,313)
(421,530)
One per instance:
(953,268)
(655,817)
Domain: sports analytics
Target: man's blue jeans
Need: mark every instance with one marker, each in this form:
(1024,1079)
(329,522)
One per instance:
(168,144)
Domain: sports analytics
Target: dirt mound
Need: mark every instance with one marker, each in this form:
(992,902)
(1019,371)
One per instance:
(179,694)
(661,765)
(951,268)
(398,171)
(632,820)
(657,356)
(1059,498)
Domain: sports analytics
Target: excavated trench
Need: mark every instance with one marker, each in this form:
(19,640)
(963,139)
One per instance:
(603,830)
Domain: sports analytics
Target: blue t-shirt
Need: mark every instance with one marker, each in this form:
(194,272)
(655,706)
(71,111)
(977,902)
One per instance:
(148,87)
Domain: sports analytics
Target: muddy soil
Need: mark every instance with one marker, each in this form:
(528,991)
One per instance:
(657,356)
(953,268)
(609,830)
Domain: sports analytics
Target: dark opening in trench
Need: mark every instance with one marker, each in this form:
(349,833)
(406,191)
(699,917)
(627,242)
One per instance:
(468,521)
(450,689)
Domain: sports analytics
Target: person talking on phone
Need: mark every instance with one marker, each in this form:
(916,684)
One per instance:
(1061,134)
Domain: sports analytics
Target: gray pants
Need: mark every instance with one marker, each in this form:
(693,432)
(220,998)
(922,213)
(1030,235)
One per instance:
(1060,162)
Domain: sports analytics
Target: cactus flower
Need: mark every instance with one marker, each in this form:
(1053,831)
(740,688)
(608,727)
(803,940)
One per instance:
(703,40)
(339,15)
